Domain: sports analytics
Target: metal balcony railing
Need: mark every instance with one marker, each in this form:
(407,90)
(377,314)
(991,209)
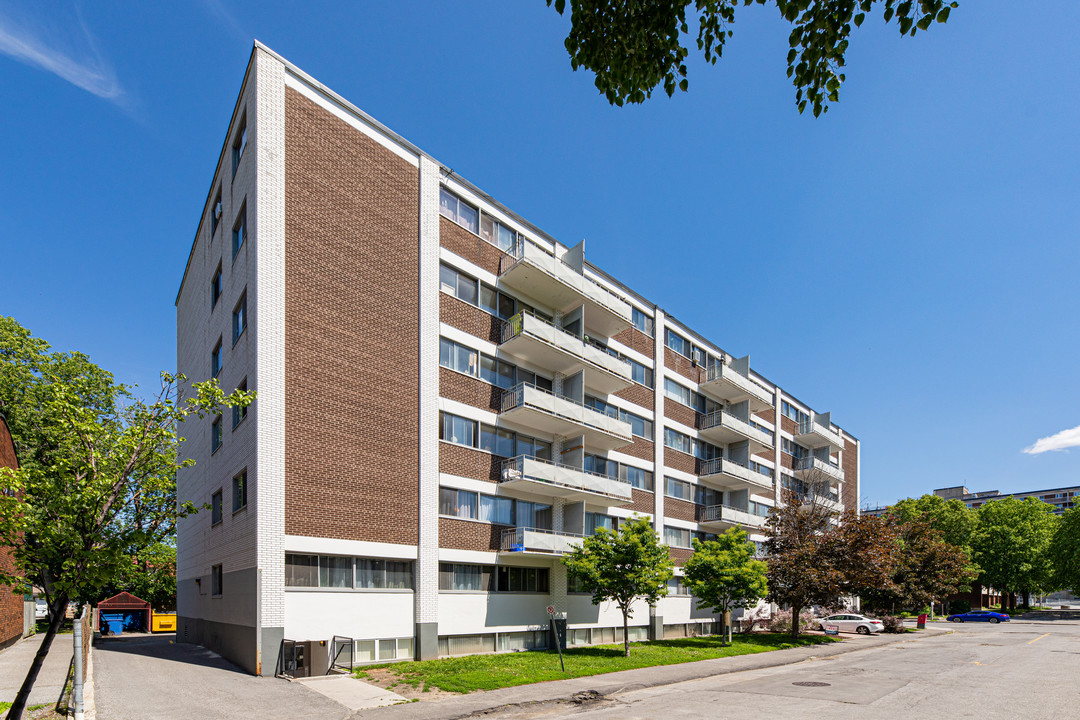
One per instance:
(538,540)
(534,469)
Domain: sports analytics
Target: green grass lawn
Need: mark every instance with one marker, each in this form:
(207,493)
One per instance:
(488,672)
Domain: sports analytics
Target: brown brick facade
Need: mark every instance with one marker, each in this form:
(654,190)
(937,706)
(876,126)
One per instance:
(788,425)
(636,340)
(11,605)
(680,413)
(682,365)
(641,449)
(467,462)
(469,318)
(678,461)
(637,394)
(465,535)
(472,247)
(458,386)
(644,501)
(680,509)
(851,476)
(680,555)
(352,330)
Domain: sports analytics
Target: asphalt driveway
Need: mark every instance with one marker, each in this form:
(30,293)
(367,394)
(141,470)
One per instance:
(150,677)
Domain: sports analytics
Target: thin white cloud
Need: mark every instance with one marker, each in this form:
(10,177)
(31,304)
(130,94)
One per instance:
(86,69)
(1059,441)
(220,12)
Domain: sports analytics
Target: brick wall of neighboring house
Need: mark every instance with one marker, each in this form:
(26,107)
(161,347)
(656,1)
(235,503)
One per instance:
(11,605)
(637,394)
(472,247)
(851,476)
(636,340)
(352,329)
(681,365)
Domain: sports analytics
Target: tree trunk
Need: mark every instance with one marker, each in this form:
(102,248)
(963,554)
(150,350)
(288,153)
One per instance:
(795,610)
(1027,599)
(725,628)
(626,632)
(57,611)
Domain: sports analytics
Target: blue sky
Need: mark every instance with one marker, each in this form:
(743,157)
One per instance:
(908,261)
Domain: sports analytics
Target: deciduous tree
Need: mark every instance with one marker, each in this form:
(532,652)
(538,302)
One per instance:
(97,480)
(1011,545)
(1065,551)
(927,569)
(635,45)
(622,566)
(723,575)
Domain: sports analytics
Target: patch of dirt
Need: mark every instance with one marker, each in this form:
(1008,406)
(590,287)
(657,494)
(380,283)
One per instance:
(389,680)
(584,701)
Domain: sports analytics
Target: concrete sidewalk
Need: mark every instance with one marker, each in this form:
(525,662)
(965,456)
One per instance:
(15,663)
(350,692)
(616,682)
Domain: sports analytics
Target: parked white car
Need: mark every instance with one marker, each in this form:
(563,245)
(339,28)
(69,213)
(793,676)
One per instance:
(852,623)
(41,609)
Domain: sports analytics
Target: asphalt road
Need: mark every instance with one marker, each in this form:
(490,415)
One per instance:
(1012,670)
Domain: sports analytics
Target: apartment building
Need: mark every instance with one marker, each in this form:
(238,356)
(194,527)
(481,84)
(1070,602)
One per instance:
(1060,499)
(448,400)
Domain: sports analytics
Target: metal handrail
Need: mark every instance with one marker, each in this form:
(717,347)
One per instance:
(515,326)
(716,465)
(516,536)
(810,425)
(517,464)
(713,513)
(521,458)
(515,397)
(715,371)
(517,252)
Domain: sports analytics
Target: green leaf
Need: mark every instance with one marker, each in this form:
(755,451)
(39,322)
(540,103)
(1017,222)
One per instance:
(858,19)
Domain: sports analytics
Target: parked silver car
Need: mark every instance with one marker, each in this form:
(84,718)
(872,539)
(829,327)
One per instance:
(847,622)
(41,609)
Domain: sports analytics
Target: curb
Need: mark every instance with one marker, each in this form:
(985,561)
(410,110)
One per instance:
(624,680)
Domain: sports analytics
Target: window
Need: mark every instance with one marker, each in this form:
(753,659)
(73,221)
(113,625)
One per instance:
(215,288)
(679,489)
(677,343)
(595,521)
(496,510)
(517,579)
(688,397)
(792,449)
(532,515)
(239,145)
(675,586)
(793,413)
(497,372)
(495,302)
(457,503)
(335,572)
(458,576)
(497,441)
(601,466)
(384,574)
(691,446)
(676,537)
(215,581)
(239,413)
(636,477)
(215,214)
(640,374)
(239,318)
(215,435)
(707,496)
(455,356)
(638,425)
(642,322)
(215,508)
(301,570)
(458,284)
(497,234)
(239,233)
(458,430)
(215,360)
(474,292)
(239,491)
(459,211)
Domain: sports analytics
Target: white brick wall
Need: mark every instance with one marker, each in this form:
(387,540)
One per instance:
(269,324)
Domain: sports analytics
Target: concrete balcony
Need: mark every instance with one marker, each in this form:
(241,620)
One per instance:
(540,343)
(718,518)
(808,465)
(830,502)
(529,478)
(721,427)
(536,409)
(537,273)
(729,475)
(816,432)
(726,382)
(532,541)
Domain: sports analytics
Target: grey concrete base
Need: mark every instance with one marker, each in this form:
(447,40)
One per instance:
(350,692)
(427,641)
(235,643)
(271,650)
(656,627)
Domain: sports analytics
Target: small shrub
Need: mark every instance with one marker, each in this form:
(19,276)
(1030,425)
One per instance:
(892,624)
(780,622)
(959,606)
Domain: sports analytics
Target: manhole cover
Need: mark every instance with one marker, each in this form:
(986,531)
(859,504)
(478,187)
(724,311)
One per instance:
(811,683)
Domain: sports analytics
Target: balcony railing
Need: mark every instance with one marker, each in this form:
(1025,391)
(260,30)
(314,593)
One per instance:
(536,540)
(815,434)
(533,406)
(808,463)
(730,515)
(725,427)
(546,277)
(544,344)
(722,467)
(729,384)
(544,477)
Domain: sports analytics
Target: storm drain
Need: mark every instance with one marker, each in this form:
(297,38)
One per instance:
(811,683)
